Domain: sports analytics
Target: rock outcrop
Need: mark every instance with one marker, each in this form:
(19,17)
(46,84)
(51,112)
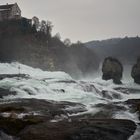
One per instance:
(112,69)
(134,105)
(6,92)
(34,119)
(136,72)
(2,76)
(80,130)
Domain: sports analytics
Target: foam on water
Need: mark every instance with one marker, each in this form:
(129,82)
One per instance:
(13,68)
(57,86)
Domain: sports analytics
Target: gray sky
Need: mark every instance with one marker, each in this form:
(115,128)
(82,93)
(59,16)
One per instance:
(86,20)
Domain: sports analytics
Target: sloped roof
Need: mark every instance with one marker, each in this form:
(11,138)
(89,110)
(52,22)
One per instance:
(7,6)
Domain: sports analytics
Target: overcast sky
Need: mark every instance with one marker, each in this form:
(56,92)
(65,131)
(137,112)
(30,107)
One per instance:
(86,20)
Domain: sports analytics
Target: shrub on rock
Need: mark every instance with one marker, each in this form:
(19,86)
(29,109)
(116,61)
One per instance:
(112,69)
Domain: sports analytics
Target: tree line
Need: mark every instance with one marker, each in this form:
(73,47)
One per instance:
(46,28)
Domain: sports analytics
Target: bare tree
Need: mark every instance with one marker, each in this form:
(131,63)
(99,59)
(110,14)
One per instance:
(49,27)
(67,42)
(35,22)
(79,42)
(57,35)
(43,26)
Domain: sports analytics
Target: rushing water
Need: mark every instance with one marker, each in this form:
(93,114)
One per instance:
(59,86)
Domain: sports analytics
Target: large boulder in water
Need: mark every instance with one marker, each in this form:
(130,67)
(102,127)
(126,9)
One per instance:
(136,72)
(112,69)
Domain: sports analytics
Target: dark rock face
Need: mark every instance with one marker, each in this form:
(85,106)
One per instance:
(80,130)
(48,108)
(2,76)
(134,105)
(5,92)
(4,136)
(41,126)
(112,69)
(136,72)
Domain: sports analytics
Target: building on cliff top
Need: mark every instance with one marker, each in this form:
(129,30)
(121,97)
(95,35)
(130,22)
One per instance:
(9,11)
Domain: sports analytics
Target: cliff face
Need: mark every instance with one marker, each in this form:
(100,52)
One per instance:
(19,41)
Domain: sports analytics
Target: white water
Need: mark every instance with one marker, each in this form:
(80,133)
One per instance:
(59,86)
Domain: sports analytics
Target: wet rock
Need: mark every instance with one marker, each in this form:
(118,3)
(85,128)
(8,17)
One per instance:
(17,114)
(110,94)
(108,111)
(134,104)
(6,92)
(127,90)
(66,81)
(80,130)
(50,120)
(136,72)
(45,107)
(11,108)
(3,76)
(112,69)
(13,126)
(4,136)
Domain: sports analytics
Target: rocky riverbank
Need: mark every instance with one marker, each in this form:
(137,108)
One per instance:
(34,119)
